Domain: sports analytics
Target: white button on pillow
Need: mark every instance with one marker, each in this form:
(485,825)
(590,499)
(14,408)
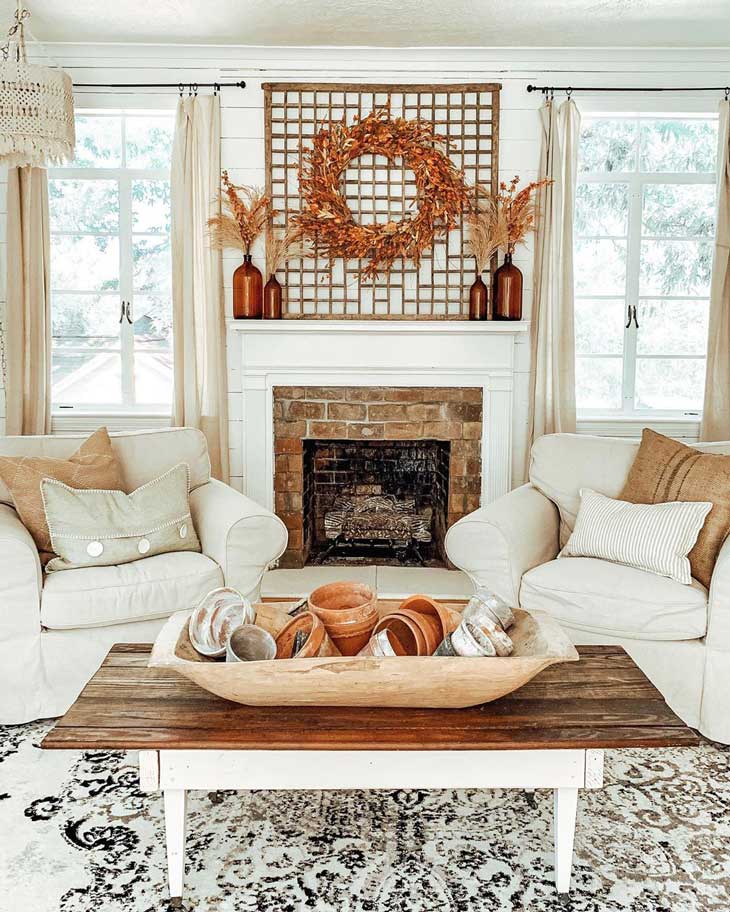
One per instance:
(183,530)
(95,549)
(144,545)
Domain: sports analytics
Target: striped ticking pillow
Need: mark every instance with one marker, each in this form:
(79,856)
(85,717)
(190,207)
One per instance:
(653,537)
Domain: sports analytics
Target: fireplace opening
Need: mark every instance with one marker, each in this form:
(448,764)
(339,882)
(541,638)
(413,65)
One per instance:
(375,501)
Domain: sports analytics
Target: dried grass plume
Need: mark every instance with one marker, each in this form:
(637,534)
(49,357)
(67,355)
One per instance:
(282,245)
(244,216)
(503,221)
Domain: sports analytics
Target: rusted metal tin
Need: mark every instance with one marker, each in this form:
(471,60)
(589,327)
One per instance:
(467,640)
(249,643)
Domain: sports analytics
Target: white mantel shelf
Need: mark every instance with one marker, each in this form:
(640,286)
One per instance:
(264,354)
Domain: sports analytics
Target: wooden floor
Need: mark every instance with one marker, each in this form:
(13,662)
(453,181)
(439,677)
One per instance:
(602,701)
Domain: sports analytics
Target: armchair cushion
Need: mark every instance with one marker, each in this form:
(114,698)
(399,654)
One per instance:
(151,588)
(606,598)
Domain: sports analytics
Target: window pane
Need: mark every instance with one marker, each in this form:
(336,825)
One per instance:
(675,268)
(85,321)
(84,263)
(98,142)
(682,210)
(600,267)
(149,141)
(679,145)
(672,327)
(152,267)
(89,378)
(665,383)
(153,378)
(151,206)
(602,209)
(598,382)
(599,326)
(83,205)
(152,323)
(608,145)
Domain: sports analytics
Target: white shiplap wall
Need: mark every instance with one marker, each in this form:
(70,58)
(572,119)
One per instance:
(243,121)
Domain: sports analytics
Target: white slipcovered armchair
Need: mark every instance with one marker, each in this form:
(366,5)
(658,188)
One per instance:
(55,629)
(678,635)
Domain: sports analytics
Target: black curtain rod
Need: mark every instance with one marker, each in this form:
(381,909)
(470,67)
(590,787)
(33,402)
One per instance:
(180,86)
(570,89)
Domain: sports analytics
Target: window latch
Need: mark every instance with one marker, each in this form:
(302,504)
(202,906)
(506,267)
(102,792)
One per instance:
(121,311)
(631,315)
(129,307)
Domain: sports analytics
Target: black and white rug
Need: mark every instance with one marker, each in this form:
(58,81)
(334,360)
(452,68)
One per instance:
(77,835)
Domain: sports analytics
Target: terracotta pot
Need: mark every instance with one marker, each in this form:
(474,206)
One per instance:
(349,612)
(316,644)
(383,644)
(449,618)
(429,625)
(247,291)
(407,630)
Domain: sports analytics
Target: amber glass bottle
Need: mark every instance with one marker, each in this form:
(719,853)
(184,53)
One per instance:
(247,291)
(272,299)
(507,291)
(478,300)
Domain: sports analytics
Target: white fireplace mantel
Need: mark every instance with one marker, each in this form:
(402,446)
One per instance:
(268,353)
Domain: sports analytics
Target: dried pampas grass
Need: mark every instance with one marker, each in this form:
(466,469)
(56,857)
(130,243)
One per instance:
(244,217)
(283,245)
(503,221)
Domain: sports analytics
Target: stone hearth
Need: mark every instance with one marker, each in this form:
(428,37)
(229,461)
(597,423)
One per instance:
(341,415)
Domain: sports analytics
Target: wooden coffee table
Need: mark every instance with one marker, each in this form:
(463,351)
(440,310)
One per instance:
(549,734)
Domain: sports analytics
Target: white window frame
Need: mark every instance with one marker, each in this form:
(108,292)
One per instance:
(592,418)
(72,416)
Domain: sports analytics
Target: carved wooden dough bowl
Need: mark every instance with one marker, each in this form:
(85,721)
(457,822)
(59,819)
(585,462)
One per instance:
(428,681)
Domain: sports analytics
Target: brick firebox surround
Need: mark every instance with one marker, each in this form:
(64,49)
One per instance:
(373,413)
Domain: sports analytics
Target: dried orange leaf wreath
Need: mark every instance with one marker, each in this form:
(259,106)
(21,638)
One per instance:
(326,218)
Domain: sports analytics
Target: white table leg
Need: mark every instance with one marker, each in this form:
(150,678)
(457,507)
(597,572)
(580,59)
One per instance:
(566,805)
(175,801)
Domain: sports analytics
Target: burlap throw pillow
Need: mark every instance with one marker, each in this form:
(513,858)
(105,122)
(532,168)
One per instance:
(93,465)
(666,470)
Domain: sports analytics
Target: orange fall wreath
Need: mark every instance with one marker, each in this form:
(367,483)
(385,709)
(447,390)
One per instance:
(441,194)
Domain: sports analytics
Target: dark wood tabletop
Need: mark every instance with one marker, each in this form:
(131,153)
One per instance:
(603,700)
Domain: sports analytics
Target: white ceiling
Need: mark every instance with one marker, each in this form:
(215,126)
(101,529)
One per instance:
(386,23)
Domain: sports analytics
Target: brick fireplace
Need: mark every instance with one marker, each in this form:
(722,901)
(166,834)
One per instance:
(417,442)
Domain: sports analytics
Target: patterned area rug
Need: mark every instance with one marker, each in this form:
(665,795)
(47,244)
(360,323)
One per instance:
(77,834)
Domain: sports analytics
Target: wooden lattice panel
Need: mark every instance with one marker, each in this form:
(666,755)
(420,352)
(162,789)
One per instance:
(377,189)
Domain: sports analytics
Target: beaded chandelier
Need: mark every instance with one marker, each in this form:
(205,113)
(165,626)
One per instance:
(36,106)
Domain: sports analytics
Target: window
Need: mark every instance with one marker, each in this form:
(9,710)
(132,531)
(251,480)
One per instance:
(644,228)
(110,266)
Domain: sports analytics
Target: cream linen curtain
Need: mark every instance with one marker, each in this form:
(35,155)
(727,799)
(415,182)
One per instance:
(552,400)
(197,279)
(28,316)
(716,409)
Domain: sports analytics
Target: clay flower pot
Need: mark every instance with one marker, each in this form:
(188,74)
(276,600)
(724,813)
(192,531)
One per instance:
(349,612)
(407,630)
(449,618)
(317,642)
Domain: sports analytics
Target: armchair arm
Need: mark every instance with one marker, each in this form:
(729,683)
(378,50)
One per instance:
(714,715)
(496,544)
(242,537)
(20,579)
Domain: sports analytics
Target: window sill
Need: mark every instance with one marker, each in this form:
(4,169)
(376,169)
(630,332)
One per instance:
(81,421)
(687,428)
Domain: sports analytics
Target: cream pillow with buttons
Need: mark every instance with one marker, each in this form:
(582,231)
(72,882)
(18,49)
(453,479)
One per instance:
(93,528)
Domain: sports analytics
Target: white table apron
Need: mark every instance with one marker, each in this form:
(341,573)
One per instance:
(177,771)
